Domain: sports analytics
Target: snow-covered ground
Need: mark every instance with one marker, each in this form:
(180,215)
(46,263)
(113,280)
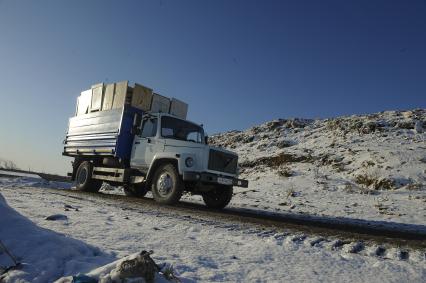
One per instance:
(31,180)
(370,167)
(29,253)
(44,254)
(18,174)
(200,251)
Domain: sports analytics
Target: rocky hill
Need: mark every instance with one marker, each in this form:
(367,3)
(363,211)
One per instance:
(380,154)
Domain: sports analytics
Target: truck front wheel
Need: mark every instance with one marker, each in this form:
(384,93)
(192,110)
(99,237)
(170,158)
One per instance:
(219,197)
(83,178)
(167,185)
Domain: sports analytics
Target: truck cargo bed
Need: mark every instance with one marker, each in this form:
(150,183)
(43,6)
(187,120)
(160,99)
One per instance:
(105,133)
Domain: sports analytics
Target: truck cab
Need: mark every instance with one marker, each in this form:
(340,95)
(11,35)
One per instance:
(167,156)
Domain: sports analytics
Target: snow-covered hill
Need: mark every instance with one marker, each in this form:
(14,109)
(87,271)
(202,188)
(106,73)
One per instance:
(367,166)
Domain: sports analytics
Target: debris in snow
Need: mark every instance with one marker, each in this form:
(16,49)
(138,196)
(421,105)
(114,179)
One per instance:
(418,127)
(81,278)
(375,182)
(142,267)
(354,247)
(67,207)
(285,172)
(138,267)
(402,255)
(379,251)
(55,217)
(292,193)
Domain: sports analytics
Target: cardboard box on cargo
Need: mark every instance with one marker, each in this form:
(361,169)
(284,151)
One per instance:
(121,94)
(111,96)
(142,97)
(160,104)
(178,108)
(108,97)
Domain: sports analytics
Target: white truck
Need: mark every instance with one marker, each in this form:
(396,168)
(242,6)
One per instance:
(144,151)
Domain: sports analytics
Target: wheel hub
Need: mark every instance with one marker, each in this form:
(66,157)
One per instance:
(164,184)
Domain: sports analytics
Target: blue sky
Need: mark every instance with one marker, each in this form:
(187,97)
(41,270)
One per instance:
(237,63)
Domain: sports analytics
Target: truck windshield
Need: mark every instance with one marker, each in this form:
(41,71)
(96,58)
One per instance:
(173,128)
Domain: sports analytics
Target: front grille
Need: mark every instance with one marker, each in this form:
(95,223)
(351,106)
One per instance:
(222,161)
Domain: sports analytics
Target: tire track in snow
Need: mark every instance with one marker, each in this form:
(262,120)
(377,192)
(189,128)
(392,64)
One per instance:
(267,226)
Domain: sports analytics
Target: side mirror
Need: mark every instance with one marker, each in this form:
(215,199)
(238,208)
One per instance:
(206,139)
(137,119)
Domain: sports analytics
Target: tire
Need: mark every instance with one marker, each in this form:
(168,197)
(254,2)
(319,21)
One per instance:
(167,186)
(138,191)
(83,178)
(219,197)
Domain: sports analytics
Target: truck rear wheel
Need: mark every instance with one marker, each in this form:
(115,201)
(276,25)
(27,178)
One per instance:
(219,197)
(83,178)
(167,186)
(138,191)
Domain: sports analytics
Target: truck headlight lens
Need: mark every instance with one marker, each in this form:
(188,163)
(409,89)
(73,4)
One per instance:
(189,162)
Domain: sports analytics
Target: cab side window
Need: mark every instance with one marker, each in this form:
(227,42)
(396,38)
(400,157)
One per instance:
(149,128)
(194,137)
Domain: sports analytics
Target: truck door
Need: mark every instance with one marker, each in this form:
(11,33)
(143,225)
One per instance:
(144,145)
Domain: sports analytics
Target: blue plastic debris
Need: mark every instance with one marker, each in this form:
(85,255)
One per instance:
(83,279)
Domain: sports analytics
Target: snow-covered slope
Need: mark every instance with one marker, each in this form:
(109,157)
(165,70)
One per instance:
(29,253)
(368,166)
(44,255)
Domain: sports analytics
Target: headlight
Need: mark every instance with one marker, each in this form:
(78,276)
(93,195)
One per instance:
(189,162)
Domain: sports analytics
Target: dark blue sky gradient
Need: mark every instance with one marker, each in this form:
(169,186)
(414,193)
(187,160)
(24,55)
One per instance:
(237,63)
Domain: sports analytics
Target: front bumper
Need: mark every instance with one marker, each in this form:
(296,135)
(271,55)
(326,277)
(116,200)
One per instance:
(211,178)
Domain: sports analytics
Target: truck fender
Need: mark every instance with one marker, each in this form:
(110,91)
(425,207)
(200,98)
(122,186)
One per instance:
(157,162)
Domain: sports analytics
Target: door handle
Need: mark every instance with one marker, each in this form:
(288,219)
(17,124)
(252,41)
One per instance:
(139,141)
